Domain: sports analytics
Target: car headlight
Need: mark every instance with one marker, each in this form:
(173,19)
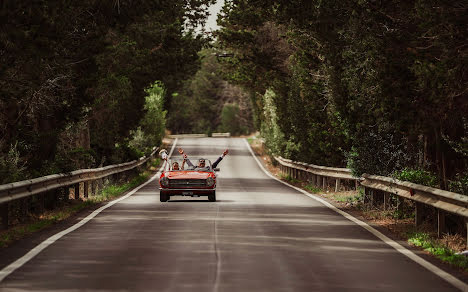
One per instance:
(210,181)
(164,181)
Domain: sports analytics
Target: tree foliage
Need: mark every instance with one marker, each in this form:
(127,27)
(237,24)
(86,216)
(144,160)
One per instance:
(379,86)
(74,73)
(208,103)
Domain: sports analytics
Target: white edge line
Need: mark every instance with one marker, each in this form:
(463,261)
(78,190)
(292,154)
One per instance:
(43,245)
(439,272)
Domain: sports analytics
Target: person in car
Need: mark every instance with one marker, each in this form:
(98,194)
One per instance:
(201,162)
(175,165)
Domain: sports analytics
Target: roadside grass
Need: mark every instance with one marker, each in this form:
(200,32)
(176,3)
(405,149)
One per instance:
(250,140)
(425,241)
(49,218)
(155,163)
(313,189)
(289,178)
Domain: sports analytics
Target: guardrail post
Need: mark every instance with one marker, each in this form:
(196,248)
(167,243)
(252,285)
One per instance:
(97,186)
(386,200)
(4,212)
(440,222)
(466,227)
(356,184)
(419,214)
(86,189)
(337,185)
(324,182)
(77,191)
(400,206)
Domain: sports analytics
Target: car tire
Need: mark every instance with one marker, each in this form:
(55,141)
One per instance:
(212,197)
(163,197)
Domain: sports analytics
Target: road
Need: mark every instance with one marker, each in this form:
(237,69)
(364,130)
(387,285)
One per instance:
(260,235)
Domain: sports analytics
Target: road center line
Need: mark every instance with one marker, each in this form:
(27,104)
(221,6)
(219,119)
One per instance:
(43,245)
(439,272)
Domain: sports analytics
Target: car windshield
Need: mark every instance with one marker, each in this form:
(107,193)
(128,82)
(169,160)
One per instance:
(178,165)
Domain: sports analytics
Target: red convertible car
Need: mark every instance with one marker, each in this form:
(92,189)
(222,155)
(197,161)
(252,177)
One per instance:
(194,182)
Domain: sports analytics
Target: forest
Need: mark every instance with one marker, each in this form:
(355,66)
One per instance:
(88,83)
(378,86)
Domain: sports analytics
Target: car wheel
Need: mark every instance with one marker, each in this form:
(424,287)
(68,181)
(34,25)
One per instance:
(212,197)
(163,197)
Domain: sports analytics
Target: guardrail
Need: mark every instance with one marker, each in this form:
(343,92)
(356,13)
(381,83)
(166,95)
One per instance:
(85,179)
(188,136)
(219,135)
(317,174)
(379,189)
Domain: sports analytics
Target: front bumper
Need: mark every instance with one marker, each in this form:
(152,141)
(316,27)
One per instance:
(187,192)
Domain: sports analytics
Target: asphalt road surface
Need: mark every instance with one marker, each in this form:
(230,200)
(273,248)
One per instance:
(259,236)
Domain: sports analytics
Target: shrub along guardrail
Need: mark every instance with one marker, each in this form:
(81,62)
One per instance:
(379,190)
(49,189)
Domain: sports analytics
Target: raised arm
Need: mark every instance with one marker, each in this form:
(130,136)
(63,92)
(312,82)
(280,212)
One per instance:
(215,164)
(189,163)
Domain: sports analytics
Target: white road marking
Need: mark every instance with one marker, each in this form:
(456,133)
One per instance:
(439,272)
(43,245)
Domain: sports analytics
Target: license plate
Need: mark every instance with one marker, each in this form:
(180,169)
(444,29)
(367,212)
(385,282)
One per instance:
(187,193)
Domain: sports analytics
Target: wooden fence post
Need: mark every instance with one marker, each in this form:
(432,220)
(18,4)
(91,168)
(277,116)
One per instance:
(386,200)
(466,227)
(77,191)
(419,214)
(4,212)
(86,189)
(440,223)
(337,185)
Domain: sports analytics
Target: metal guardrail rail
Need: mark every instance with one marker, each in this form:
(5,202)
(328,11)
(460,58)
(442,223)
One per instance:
(334,172)
(21,189)
(380,186)
(199,135)
(440,199)
(218,135)
(188,136)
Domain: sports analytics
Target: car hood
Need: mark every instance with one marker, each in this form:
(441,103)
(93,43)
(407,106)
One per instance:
(187,175)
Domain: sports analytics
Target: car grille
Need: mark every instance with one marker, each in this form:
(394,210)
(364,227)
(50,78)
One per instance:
(187,183)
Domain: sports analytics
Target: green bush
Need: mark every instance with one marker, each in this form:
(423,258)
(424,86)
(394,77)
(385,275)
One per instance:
(230,120)
(417,176)
(11,167)
(459,184)
(270,130)
(152,126)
